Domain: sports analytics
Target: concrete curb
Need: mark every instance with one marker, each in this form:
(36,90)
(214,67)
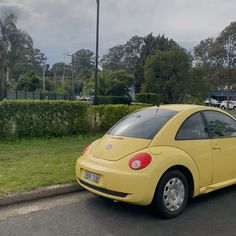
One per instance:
(39,193)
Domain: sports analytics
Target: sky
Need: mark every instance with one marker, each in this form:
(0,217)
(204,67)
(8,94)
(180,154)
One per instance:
(61,27)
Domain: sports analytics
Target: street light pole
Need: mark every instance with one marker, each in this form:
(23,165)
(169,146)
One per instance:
(44,70)
(96,62)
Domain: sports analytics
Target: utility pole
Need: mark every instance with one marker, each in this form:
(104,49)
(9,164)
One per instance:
(44,69)
(54,81)
(3,66)
(73,76)
(63,76)
(96,62)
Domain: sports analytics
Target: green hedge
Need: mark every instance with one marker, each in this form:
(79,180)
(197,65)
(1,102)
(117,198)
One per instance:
(114,100)
(103,117)
(151,98)
(19,119)
(42,118)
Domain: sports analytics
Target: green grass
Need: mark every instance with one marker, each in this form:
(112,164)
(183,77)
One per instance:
(232,112)
(29,164)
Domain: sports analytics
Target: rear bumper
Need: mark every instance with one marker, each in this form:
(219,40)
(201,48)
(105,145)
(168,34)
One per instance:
(117,180)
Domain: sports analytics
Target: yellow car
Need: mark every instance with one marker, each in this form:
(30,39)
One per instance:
(162,155)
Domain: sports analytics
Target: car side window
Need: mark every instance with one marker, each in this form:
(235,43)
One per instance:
(220,124)
(193,128)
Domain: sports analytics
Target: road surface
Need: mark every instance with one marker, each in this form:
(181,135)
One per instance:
(86,214)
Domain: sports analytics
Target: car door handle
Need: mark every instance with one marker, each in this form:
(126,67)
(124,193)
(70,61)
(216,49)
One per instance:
(217,147)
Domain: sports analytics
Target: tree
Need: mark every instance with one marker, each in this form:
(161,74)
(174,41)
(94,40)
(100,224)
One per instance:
(114,59)
(116,83)
(22,57)
(123,57)
(29,82)
(150,46)
(84,63)
(167,74)
(217,57)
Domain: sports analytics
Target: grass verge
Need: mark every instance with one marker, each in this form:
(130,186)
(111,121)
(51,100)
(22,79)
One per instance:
(29,164)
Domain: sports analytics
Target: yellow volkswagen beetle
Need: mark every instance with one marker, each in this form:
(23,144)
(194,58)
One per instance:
(162,155)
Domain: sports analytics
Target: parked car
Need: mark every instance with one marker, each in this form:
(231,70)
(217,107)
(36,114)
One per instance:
(162,155)
(212,102)
(232,105)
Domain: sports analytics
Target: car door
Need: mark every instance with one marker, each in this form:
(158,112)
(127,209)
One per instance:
(223,133)
(194,139)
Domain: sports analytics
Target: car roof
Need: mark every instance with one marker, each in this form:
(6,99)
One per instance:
(179,107)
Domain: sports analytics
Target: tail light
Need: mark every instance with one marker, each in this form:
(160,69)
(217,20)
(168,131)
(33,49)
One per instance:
(140,161)
(86,149)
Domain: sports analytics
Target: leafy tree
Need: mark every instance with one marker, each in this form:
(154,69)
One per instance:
(22,57)
(115,83)
(150,46)
(167,74)
(29,82)
(123,57)
(114,59)
(217,57)
(84,63)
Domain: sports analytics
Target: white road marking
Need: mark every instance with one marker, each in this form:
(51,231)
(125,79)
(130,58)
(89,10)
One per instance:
(43,204)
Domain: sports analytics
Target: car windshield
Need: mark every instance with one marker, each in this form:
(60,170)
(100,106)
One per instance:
(143,124)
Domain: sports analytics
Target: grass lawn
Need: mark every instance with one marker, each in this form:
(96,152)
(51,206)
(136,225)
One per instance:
(232,112)
(29,164)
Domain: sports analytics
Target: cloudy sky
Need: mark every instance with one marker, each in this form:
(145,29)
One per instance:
(59,27)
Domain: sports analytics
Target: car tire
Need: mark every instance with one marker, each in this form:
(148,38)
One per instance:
(171,195)
(223,107)
(234,108)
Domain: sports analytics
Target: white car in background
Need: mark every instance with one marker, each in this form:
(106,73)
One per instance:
(232,105)
(212,102)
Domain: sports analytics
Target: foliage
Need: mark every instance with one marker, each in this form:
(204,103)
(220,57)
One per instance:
(123,57)
(22,57)
(150,46)
(42,118)
(29,82)
(150,98)
(115,83)
(217,57)
(103,117)
(84,63)
(167,74)
(114,100)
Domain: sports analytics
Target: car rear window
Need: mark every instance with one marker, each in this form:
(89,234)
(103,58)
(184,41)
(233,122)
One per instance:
(143,124)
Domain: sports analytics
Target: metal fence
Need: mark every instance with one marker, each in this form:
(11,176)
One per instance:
(36,95)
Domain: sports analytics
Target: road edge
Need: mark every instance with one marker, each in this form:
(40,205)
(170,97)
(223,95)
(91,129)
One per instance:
(39,193)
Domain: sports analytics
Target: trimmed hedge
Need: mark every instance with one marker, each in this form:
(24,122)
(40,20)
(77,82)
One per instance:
(114,100)
(151,98)
(27,119)
(103,117)
(42,118)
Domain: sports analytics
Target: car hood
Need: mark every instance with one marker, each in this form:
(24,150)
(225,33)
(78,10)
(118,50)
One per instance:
(114,148)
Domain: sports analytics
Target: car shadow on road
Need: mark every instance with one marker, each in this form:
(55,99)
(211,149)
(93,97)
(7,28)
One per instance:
(218,199)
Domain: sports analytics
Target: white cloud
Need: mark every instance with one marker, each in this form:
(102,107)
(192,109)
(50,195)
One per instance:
(59,26)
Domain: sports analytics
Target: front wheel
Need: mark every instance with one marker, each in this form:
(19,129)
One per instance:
(171,194)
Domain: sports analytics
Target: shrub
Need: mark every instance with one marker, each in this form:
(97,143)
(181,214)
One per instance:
(26,119)
(151,98)
(42,118)
(103,117)
(114,100)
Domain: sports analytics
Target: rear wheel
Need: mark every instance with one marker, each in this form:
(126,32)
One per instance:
(171,194)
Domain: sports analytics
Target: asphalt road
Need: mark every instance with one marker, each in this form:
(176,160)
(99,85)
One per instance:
(86,214)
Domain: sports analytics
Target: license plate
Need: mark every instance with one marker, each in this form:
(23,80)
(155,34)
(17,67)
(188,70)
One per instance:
(92,177)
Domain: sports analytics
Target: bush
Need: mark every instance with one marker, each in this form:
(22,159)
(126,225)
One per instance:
(114,100)
(151,98)
(103,117)
(26,119)
(42,118)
